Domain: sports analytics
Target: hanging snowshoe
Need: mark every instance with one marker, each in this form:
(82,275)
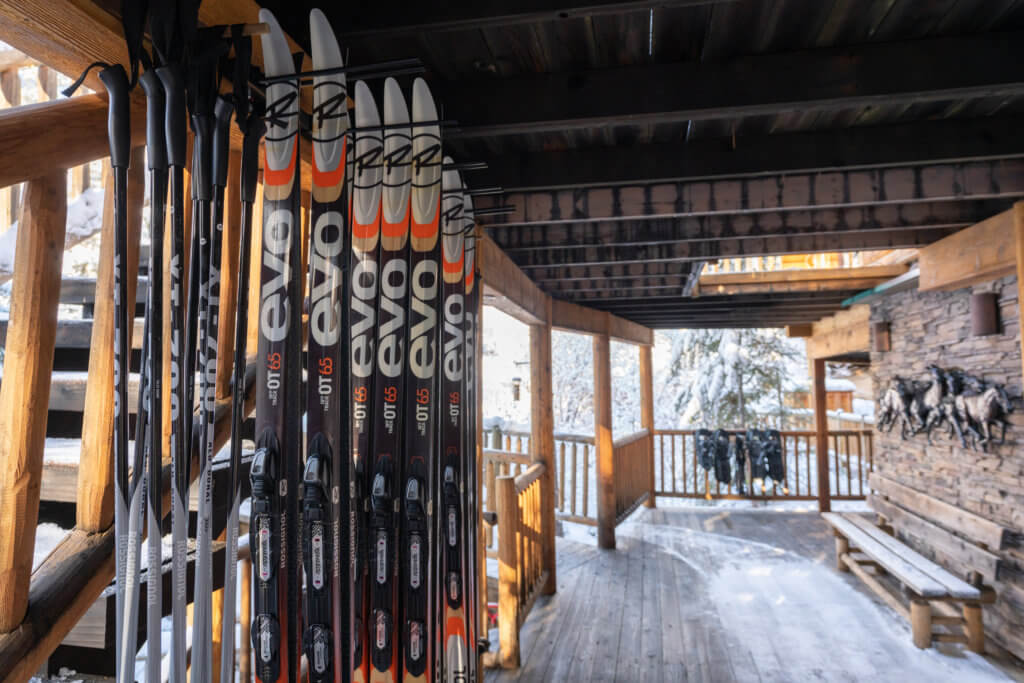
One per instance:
(723,471)
(705,449)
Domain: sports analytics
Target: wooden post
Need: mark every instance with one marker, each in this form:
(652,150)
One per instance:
(484,531)
(647,412)
(821,435)
(542,440)
(842,548)
(1018,230)
(25,392)
(95,501)
(244,619)
(974,627)
(229,276)
(921,622)
(508,592)
(603,440)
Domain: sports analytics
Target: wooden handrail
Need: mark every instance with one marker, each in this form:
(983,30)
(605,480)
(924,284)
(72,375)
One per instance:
(522,572)
(630,438)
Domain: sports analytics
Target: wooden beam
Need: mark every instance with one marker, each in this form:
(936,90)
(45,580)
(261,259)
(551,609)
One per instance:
(14,59)
(542,439)
(38,138)
(506,287)
(1002,178)
(603,437)
(931,70)
(549,263)
(803,330)
(566,315)
(507,504)
(647,412)
(95,509)
(821,433)
(848,331)
(928,141)
(980,253)
(802,275)
(229,276)
(380,23)
(1018,232)
(25,392)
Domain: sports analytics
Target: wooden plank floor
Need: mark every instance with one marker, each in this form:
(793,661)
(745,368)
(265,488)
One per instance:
(722,595)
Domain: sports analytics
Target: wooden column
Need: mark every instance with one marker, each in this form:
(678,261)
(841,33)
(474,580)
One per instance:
(603,439)
(542,439)
(821,434)
(481,544)
(95,506)
(508,563)
(1018,229)
(25,392)
(647,412)
(229,276)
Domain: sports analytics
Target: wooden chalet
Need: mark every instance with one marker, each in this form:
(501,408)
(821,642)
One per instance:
(851,172)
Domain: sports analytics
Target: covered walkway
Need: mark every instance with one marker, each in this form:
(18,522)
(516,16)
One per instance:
(722,595)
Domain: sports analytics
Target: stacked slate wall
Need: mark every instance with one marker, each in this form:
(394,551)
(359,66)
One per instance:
(935,328)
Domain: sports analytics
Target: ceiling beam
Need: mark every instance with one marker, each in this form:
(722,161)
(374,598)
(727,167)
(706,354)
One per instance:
(551,240)
(991,179)
(702,251)
(381,22)
(945,140)
(909,72)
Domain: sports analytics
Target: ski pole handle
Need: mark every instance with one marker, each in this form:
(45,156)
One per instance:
(115,80)
(174,121)
(156,149)
(254,130)
(221,139)
(202,157)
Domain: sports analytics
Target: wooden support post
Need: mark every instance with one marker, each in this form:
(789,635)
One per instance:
(483,530)
(508,591)
(244,619)
(647,412)
(842,548)
(542,440)
(255,264)
(229,276)
(921,622)
(975,628)
(25,392)
(603,440)
(1018,230)
(95,506)
(821,434)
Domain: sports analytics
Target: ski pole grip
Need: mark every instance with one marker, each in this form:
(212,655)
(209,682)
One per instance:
(221,139)
(156,149)
(251,157)
(115,80)
(202,157)
(174,122)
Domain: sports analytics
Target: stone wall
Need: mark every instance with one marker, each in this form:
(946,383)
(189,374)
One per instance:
(935,328)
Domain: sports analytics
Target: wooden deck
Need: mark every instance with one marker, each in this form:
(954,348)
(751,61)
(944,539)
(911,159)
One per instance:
(723,595)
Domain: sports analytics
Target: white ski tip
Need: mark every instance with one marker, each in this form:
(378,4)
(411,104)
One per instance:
(423,108)
(395,110)
(326,53)
(450,180)
(277,57)
(366,109)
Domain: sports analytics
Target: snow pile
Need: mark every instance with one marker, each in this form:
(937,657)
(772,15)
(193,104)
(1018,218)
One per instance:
(85,217)
(48,535)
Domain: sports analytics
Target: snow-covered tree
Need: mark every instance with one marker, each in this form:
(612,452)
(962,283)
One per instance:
(572,375)
(734,378)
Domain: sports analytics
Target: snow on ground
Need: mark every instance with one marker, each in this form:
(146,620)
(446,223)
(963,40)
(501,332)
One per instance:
(787,610)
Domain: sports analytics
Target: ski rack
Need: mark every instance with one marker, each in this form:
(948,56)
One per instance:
(448,124)
(466,166)
(501,210)
(366,72)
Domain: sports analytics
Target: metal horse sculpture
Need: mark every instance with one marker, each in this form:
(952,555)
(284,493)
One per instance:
(894,406)
(983,410)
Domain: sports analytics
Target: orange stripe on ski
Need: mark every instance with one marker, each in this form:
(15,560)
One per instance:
(425,230)
(455,267)
(331,178)
(368,231)
(395,229)
(283,176)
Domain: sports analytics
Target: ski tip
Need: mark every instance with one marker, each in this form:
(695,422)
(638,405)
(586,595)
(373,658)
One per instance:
(367,115)
(396,112)
(277,57)
(326,53)
(451,180)
(423,107)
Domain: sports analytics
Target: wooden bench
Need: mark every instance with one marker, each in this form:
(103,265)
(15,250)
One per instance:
(871,551)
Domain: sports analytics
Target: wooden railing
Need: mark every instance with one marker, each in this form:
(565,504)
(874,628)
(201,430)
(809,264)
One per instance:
(632,456)
(850,458)
(521,570)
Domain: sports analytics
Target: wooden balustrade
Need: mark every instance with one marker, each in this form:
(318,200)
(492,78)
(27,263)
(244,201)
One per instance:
(522,571)
(632,472)
(678,474)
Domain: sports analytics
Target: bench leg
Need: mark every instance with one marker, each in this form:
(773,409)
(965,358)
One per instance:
(921,623)
(975,629)
(842,548)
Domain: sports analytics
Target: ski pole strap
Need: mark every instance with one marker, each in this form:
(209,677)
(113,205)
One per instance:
(242,67)
(115,80)
(221,140)
(156,148)
(133,19)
